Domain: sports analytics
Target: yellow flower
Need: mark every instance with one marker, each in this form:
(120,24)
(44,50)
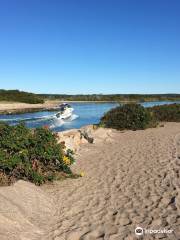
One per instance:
(82,174)
(66,160)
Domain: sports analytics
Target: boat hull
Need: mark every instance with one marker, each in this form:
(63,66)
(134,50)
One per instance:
(67,114)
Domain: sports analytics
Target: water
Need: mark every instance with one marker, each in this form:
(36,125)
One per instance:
(84,114)
(151,104)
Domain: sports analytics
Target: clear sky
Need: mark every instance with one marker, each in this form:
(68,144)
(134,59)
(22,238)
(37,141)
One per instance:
(90,46)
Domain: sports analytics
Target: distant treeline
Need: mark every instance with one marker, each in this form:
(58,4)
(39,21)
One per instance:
(114,97)
(18,96)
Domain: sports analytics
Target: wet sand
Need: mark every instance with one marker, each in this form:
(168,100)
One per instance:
(131,179)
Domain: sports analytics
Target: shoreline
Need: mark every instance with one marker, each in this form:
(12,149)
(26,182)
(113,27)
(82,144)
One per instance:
(49,105)
(18,108)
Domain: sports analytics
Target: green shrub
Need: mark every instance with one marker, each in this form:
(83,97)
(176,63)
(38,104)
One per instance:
(128,116)
(33,155)
(167,113)
(19,96)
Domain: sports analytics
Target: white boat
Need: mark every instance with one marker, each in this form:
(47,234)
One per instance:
(65,111)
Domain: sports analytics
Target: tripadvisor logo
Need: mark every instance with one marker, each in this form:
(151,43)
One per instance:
(139,231)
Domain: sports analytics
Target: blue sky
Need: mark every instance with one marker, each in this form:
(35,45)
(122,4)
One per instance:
(90,46)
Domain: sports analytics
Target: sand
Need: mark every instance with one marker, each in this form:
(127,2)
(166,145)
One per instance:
(19,107)
(131,179)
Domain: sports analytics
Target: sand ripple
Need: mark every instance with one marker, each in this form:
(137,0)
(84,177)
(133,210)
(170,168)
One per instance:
(132,179)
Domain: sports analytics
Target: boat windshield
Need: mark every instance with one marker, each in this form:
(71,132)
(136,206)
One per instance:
(62,108)
(65,105)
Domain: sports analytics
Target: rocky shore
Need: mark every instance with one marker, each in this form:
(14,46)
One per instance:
(132,179)
(75,138)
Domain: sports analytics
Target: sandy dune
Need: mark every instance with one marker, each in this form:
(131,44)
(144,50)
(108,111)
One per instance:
(17,106)
(132,179)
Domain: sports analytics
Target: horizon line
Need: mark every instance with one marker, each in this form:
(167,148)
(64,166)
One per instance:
(21,90)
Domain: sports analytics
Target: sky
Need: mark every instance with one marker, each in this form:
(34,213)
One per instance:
(90,46)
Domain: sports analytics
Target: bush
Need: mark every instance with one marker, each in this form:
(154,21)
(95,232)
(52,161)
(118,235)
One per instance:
(33,155)
(167,113)
(128,116)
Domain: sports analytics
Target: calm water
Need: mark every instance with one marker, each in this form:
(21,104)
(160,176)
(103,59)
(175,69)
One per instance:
(84,114)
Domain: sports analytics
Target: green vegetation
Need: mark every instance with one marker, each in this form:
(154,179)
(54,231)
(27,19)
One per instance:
(128,116)
(114,97)
(33,155)
(18,96)
(167,113)
(135,116)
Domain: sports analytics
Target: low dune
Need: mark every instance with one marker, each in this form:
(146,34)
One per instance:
(131,179)
(10,107)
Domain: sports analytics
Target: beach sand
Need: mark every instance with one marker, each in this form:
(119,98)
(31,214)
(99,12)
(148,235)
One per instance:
(20,107)
(131,179)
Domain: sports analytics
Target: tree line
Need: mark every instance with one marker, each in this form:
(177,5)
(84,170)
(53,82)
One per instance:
(114,97)
(26,97)
(19,96)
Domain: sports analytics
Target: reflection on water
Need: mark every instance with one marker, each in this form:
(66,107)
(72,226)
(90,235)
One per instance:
(84,114)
